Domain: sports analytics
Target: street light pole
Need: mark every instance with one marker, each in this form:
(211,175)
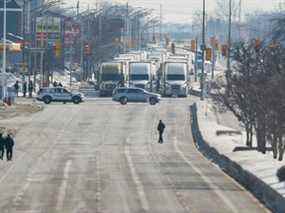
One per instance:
(4,52)
(160,24)
(229,40)
(203,51)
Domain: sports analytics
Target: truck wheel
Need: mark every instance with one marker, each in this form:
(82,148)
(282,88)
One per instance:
(123,100)
(76,100)
(47,99)
(152,101)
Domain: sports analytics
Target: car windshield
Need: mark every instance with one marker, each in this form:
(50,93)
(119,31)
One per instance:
(139,77)
(111,77)
(176,77)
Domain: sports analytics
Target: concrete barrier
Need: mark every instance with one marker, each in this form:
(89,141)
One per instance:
(262,191)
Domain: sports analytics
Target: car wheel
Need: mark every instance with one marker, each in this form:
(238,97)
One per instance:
(47,99)
(123,100)
(152,101)
(76,100)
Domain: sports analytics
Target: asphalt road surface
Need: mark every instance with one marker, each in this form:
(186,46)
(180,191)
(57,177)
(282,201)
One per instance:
(101,157)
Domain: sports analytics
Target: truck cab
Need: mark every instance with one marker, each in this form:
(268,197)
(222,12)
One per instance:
(175,78)
(112,75)
(141,75)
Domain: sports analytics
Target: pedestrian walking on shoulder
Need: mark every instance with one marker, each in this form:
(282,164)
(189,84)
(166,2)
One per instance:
(31,88)
(16,87)
(24,88)
(9,144)
(2,145)
(160,129)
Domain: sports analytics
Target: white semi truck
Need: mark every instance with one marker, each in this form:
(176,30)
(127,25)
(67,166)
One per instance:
(141,74)
(111,75)
(175,78)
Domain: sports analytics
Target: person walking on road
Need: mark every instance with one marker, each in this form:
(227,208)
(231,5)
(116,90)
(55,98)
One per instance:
(16,87)
(24,88)
(9,144)
(160,129)
(2,146)
(31,88)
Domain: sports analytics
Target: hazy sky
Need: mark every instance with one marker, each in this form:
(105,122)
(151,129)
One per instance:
(182,10)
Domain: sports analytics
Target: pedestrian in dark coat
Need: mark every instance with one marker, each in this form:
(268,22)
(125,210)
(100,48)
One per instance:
(24,89)
(160,129)
(2,146)
(60,84)
(54,84)
(16,87)
(31,88)
(9,144)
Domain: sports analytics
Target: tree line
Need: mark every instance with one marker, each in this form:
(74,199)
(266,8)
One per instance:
(254,91)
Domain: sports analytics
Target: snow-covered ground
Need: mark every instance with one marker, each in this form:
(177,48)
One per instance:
(264,167)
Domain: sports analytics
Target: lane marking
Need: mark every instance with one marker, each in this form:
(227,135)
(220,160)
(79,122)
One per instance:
(20,194)
(136,179)
(98,194)
(212,185)
(62,190)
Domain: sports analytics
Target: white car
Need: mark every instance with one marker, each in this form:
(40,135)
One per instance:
(58,94)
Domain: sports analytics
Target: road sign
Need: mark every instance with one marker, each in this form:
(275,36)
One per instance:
(224,49)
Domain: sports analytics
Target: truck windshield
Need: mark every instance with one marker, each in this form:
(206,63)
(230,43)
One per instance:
(175,77)
(111,77)
(139,77)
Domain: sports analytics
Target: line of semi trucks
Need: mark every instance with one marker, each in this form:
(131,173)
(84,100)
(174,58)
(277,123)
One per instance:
(155,71)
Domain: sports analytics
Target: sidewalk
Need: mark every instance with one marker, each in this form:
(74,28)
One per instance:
(257,165)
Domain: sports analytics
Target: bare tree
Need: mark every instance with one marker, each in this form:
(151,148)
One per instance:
(222,9)
(256,95)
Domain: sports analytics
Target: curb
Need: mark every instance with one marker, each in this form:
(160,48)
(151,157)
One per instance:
(263,192)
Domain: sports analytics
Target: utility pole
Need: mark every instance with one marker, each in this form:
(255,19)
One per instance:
(228,74)
(195,65)
(239,17)
(160,24)
(4,53)
(126,34)
(203,52)
(82,44)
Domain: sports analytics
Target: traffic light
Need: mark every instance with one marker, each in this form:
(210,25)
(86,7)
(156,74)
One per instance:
(257,43)
(224,48)
(87,49)
(208,54)
(193,45)
(57,49)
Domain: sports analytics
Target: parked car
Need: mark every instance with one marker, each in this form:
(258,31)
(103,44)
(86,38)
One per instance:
(58,94)
(126,94)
